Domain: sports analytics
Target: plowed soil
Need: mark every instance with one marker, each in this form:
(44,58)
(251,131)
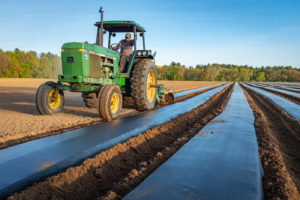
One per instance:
(278,136)
(20,121)
(113,173)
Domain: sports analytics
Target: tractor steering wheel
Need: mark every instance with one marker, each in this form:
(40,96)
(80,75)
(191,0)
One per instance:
(114,46)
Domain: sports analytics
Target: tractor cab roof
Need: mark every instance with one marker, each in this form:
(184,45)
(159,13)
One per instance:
(120,26)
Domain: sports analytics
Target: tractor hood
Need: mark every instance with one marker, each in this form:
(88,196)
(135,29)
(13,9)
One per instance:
(91,48)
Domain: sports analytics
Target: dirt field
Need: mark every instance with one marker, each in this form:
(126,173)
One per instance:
(278,136)
(116,171)
(19,118)
(113,173)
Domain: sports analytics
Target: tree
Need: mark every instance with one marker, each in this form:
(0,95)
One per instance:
(20,64)
(5,64)
(245,74)
(260,77)
(45,67)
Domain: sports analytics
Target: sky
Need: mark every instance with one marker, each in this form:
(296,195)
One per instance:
(252,32)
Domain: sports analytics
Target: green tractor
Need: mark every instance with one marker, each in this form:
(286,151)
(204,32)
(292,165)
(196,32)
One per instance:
(93,70)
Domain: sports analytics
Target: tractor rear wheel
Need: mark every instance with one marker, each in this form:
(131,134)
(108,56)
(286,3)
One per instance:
(143,84)
(48,99)
(90,99)
(109,102)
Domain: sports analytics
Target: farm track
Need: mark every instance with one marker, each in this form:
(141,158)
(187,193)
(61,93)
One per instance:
(23,137)
(278,137)
(113,173)
(284,95)
(193,94)
(26,137)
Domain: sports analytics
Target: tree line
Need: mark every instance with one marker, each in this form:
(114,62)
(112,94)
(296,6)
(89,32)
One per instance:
(21,64)
(228,72)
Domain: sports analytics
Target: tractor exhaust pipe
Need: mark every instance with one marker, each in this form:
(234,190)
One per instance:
(100,33)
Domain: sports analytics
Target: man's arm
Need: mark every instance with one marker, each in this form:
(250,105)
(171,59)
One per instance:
(119,45)
(132,41)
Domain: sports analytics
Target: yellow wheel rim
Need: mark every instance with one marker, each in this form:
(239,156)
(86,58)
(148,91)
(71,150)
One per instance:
(151,80)
(114,103)
(53,103)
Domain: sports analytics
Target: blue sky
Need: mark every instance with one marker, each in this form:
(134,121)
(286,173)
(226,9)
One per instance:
(253,32)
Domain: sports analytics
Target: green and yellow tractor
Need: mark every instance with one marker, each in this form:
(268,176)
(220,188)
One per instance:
(93,70)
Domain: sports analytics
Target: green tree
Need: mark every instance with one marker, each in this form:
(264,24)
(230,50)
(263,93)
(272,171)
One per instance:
(245,74)
(18,63)
(45,67)
(260,77)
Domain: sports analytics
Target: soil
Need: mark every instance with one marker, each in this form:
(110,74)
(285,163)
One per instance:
(21,122)
(278,136)
(113,173)
(284,95)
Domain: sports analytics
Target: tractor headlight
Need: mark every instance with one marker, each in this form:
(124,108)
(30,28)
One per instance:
(139,53)
(145,53)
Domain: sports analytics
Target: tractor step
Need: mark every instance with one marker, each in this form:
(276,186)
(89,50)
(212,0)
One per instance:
(124,75)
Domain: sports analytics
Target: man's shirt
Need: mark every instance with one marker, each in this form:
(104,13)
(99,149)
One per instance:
(126,46)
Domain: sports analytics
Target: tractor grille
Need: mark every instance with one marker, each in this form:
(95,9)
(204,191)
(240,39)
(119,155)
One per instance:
(95,66)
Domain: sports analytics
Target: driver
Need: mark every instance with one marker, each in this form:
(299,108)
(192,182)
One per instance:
(126,47)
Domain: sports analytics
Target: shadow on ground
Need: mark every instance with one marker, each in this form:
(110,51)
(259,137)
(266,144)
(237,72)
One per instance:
(22,100)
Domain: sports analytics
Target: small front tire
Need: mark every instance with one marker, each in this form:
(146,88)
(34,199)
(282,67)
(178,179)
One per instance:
(109,102)
(46,102)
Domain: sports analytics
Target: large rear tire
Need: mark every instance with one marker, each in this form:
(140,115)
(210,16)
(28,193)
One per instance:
(46,102)
(90,99)
(143,84)
(109,102)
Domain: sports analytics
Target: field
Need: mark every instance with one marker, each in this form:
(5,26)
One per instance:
(19,119)
(213,139)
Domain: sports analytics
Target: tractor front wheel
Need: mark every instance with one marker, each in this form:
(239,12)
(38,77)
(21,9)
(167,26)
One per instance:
(109,102)
(48,99)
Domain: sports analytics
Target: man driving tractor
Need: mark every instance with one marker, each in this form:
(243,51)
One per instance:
(126,51)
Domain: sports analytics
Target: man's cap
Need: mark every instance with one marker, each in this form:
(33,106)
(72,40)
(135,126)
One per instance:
(127,35)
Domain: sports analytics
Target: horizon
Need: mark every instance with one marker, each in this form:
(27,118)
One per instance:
(170,64)
(252,33)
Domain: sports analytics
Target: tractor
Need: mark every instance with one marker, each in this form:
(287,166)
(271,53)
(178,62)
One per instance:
(93,70)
